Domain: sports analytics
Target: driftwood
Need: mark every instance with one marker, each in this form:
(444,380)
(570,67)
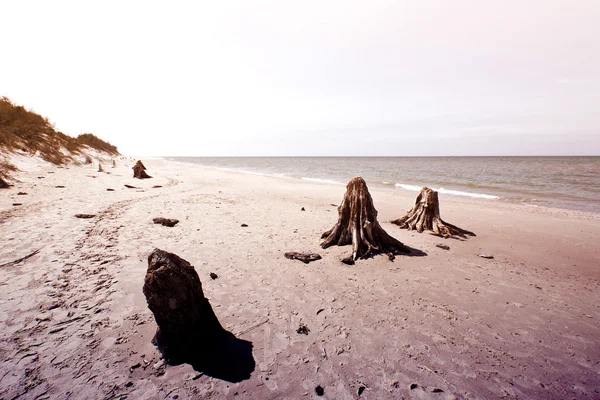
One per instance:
(304,257)
(170,222)
(184,316)
(3,184)
(19,260)
(358,225)
(425,215)
(139,171)
(85,216)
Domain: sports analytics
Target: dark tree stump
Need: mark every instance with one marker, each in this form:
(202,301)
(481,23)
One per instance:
(139,171)
(184,316)
(358,225)
(425,215)
(3,184)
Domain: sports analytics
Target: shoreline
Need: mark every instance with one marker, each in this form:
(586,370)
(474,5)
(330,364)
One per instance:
(74,321)
(450,190)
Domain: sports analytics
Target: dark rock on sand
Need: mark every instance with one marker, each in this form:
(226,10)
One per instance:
(489,257)
(170,222)
(302,329)
(443,246)
(244,226)
(213,276)
(304,257)
(319,391)
(21,193)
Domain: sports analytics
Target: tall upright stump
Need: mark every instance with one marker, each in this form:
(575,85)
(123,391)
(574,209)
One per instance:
(425,215)
(139,171)
(357,225)
(184,316)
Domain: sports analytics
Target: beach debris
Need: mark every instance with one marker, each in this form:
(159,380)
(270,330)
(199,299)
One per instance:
(59,187)
(361,388)
(3,184)
(100,168)
(348,260)
(110,190)
(302,209)
(130,187)
(304,257)
(244,225)
(17,204)
(413,386)
(425,215)
(213,276)
(489,257)
(19,260)
(319,391)
(184,316)
(139,171)
(302,329)
(320,311)
(357,225)
(170,222)
(85,216)
(156,186)
(443,246)
(21,193)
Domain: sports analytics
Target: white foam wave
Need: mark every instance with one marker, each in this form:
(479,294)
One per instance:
(414,188)
(330,181)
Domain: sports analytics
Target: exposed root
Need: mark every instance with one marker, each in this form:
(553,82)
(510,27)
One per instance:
(425,215)
(358,225)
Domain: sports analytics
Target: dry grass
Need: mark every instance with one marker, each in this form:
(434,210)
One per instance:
(27,131)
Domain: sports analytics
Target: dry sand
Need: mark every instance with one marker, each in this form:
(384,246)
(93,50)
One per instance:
(74,322)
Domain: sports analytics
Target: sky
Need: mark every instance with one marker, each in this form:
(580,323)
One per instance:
(320,78)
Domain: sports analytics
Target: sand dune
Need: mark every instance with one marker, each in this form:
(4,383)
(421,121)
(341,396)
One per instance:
(449,324)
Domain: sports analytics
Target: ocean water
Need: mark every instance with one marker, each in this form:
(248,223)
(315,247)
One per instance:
(562,182)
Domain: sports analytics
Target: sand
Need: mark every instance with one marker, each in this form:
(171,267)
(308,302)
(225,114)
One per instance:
(449,324)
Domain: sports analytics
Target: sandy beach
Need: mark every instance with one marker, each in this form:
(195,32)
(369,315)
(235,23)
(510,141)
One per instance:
(437,324)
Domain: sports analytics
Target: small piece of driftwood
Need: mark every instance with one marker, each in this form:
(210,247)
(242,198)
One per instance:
(304,257)
(170,222)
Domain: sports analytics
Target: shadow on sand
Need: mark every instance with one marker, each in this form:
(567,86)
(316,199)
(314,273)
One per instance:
(227,358)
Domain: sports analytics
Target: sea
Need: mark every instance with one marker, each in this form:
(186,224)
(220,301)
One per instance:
(560,182)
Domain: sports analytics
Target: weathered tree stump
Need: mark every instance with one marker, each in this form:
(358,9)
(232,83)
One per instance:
(358,225)
(425,215)
(3,184)
(139,171)
(184,316)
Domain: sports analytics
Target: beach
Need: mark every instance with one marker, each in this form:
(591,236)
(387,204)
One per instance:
(435,324)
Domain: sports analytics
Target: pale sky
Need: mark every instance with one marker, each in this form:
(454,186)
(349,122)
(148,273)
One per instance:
(234,78)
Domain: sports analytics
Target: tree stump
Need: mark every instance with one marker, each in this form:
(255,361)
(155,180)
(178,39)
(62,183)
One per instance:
(357,225)
(425,215)
(139,171)
(185,319)
(3,184)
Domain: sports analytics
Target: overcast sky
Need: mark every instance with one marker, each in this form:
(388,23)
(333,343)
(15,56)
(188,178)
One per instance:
(232,78)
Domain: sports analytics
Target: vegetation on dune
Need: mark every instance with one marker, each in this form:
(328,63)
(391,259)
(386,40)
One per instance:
(27,131)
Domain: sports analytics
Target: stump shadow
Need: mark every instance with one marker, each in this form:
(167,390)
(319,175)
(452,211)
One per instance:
(415,252)
(228,358)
